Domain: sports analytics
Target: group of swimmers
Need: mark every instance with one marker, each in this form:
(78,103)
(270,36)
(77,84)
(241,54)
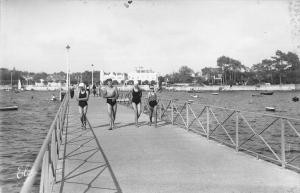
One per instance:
(111,94)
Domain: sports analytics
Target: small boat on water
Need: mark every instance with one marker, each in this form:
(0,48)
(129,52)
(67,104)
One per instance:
(194,91)
(194,96)
(256,95)
(215,93)
(267,93)
(295,99)
(53,98)
(270,109)
(9,108)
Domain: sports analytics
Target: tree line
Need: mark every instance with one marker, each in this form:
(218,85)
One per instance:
(282,68)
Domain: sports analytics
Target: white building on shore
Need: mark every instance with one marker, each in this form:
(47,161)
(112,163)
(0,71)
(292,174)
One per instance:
(143,74)
(140,74)
(118,76)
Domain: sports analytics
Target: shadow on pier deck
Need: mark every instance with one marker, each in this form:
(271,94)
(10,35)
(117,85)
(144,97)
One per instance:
(163,159)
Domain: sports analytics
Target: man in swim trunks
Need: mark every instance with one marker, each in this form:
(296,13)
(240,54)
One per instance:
(111,94)
(82,99)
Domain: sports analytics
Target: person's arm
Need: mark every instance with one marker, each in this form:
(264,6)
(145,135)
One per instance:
(77,96)
(156,97)
(104,93)
(116,93)
(85,98)
(129,94)
(148,97)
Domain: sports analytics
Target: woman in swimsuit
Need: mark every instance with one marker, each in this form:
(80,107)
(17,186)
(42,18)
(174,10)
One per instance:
(152,101)
(82,99)
(136,95)
(111,94)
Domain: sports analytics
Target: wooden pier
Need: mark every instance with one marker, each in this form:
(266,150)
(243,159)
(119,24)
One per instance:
(165,159)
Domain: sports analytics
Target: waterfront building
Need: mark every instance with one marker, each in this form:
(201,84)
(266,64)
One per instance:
(40,83)
(142,74)
(118,76)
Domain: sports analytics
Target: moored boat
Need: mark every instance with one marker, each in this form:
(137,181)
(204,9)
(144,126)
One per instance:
(53,98)
(194,91)
(9,108)
(267,93)
(270,109)
(256,95)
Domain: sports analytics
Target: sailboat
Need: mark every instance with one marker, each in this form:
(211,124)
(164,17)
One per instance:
(19,85)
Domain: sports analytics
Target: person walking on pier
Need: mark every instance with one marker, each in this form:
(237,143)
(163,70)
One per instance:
(136,95)
(72,91)
(94,90)
(152,101)
(82,99)
(111,94)
(88,89)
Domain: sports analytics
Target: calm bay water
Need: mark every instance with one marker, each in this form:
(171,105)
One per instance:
(23,131)
(243,100)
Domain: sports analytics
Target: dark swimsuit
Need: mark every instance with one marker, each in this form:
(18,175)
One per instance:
(111,102)
(152,101)
(82,103)
(136,96)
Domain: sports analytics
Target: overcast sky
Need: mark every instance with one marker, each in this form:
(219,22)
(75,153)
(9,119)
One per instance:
(158,34)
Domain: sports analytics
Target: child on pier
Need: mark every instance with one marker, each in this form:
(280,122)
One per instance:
(82,98)
(152,101)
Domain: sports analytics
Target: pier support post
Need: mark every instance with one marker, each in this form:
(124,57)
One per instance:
(207,122)
(282,143)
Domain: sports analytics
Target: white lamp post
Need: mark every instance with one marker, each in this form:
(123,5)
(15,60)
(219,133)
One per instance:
(92,74)
(11,80)
(68,78)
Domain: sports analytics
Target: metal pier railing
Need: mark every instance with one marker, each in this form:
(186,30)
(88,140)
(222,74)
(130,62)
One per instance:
(46,160)
(266,136)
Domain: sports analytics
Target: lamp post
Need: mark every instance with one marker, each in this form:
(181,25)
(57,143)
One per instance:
(68,78)
(11,79)
(92,74)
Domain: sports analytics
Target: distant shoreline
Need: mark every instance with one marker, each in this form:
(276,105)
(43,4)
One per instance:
(283,87)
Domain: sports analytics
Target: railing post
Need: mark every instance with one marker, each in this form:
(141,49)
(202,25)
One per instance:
(187,115)
(160,114)
(237,131)
(172,112)
(282,143)
(207,122)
